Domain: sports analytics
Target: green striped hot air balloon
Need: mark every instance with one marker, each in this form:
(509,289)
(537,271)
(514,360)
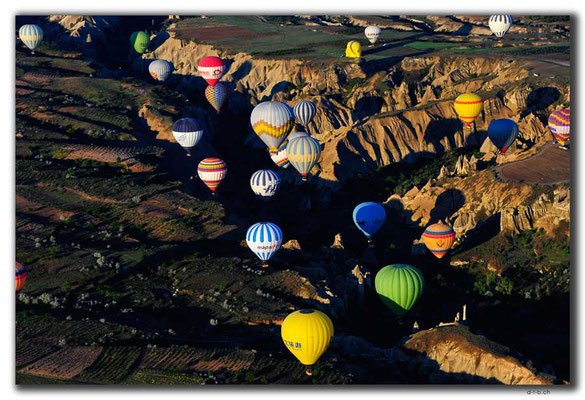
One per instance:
(399,287)
(140,41)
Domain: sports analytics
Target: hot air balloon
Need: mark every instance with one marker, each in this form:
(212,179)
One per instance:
(212,170)
(559,123)
(399,286)
(265,183)
(161,69)
(296,134)
(140,41)
(31,35)
(307,334)
(280,157)
(272,121)
(264,239)
(439,239)
(372,33)
(20,277)
(369,218)
(187,133)
(502,133)
(303,153)
(499,24)
(216,95)
(353,49)
(468,106)
(211,68)
(305,111)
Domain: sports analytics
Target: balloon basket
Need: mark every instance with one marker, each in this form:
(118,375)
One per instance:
(309,371)
(304,179)
(264,265)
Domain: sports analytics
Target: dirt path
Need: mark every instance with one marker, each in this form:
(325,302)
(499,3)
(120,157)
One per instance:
(550,166)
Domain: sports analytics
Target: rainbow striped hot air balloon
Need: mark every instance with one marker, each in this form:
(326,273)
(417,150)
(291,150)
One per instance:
(439,239)
(272,121)
(280,157)
(212,170)
(264,239)
(559,123)
(216,95)
(468,106)
(31,35)
(211,68)
(303,153)
(20,277)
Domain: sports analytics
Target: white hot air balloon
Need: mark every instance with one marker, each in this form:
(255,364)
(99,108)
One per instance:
(265,183)
(272,121)
(499,24)
(264,239)
(187,133)
(372,33)
(160,69)
(305,111)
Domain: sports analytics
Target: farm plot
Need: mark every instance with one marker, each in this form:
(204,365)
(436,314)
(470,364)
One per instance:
(28,351)
(112,366)
(65,363)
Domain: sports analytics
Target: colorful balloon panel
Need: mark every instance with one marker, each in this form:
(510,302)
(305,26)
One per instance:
(439,239)
(20,277)
(559,123)
(160,70)
(303,153)
(500,24)
(211,68)
(502,133)
(140,41)
(265,183)
(468,106)
(264,239)
(272,121)
(212,171)
(187,132)
(399,286)
(216,95)
(369,217)
(279,156)
(31,35)
(305,111)
(307,334)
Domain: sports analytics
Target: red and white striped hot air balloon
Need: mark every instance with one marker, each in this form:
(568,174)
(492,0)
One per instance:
(212,170)
(211,68)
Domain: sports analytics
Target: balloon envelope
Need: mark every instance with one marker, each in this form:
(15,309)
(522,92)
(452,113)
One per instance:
(272,121)
(307,334)
(353,49)
(187,133)
(305,111)
(439,239)
(212,170)
(369,217)
(265,183)
(372,33)
(303,153)
(264,239)
(160,69)
(502,133)
(140,41)
(468,106)
(499,24)
(211,68)
(20,277)
(31,35)
(399,286)
(559,123)
(216,95)
(279,156)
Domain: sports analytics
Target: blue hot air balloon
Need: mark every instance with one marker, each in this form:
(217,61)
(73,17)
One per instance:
(369,218)
(502,133)
(264,239)
(187,133)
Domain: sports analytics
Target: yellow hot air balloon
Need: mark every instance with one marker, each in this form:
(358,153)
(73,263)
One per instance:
(353,49)
(307,334)
(468,106)
(439,239)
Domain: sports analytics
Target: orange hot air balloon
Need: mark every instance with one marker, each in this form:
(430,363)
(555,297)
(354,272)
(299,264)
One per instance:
(20,277)
(468,106)
(439,239)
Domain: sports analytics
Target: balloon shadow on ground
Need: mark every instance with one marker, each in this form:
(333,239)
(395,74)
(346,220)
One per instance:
(447,204)
(439,129)
(367,106)
(540,99)
(158,41)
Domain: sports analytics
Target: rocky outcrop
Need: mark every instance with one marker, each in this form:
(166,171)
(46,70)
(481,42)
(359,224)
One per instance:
(357,283)
(82,32)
